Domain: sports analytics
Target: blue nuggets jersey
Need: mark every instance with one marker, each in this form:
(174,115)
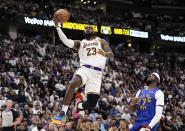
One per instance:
(145,108)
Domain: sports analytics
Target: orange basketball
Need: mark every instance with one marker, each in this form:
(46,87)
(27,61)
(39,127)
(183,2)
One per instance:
(61,15)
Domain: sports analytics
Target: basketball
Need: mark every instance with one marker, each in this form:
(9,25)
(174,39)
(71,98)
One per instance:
(61,15)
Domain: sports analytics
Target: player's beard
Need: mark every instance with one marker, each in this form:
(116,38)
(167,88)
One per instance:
(148,81)
(88,35)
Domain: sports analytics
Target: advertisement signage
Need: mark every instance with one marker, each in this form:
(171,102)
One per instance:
(139,34)
(133,33)
(77,26)
(107,30)
(118,31)
(41,22)
(172,38)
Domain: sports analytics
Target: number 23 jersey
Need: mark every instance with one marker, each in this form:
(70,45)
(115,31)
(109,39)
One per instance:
(88,53)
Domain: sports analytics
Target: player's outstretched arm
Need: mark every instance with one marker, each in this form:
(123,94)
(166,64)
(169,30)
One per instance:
(159,96)
(107,51)
(133,105)
(75,44)
(134,102)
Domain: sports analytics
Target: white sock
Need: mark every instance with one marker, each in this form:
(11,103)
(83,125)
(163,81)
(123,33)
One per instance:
(80,105)
(65,108)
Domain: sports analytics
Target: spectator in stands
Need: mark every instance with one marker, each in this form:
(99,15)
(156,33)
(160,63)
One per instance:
(10,118)
(123,126)
(23,80)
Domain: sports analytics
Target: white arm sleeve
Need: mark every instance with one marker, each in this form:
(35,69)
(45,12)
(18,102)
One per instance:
(64,39)
(137,94)
(159,96)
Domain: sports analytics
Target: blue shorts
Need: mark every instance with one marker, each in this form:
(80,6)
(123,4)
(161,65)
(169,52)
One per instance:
(138,126)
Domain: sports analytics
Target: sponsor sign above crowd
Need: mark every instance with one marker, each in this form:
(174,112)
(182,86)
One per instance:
(172,38)
(107,30)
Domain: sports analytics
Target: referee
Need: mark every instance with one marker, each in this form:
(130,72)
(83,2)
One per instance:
(10,118)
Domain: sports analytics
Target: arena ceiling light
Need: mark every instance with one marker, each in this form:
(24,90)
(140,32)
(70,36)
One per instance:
(129,45)
(94,2)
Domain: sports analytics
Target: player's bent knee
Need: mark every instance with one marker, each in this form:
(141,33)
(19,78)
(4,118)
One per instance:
(76,82)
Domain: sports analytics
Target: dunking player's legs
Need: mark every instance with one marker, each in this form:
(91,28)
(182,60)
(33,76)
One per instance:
(76,82)
(91,101)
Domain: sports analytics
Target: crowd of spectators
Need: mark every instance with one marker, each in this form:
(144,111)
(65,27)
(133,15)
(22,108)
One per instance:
(87,13)
(35,74)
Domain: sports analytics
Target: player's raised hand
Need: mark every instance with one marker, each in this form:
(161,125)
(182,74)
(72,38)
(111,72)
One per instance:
(56,24)
(101,52)
(144,129)
(134,101)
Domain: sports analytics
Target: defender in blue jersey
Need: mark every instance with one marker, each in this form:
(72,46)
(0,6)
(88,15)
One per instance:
(148,104)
